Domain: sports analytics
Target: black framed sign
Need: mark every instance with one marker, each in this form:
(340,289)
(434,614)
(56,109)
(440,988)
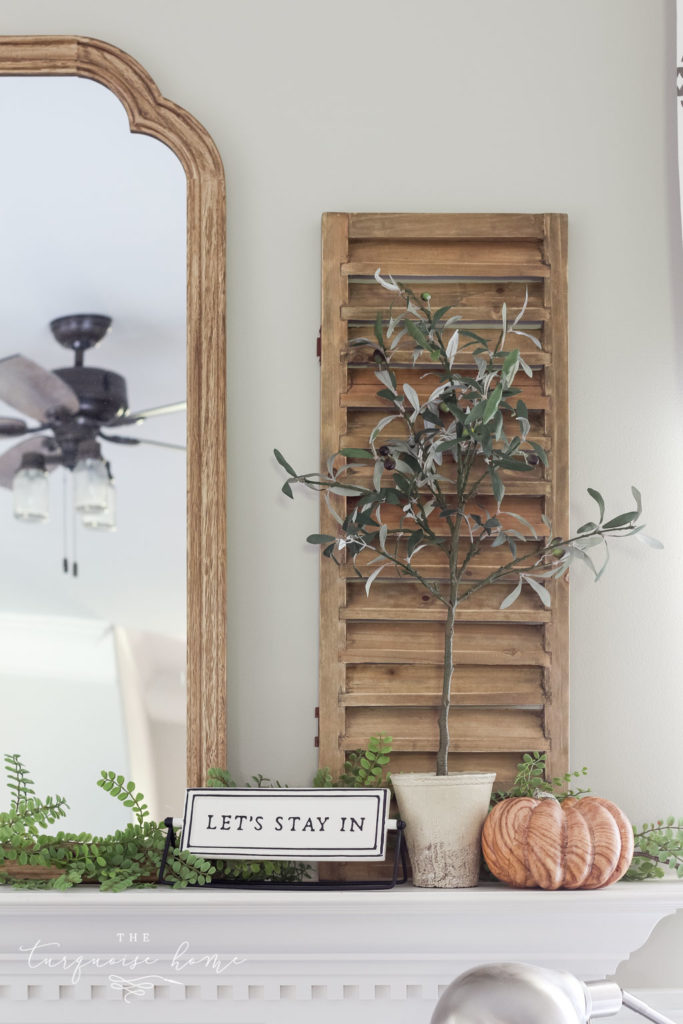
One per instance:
(286,824)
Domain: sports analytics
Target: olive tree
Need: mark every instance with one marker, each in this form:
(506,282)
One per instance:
(433,459)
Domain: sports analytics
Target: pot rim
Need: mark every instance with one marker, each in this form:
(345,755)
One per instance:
(453,778)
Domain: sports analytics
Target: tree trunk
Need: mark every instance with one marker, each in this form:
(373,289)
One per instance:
(442,756)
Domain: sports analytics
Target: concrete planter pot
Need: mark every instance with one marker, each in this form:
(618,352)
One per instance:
(444,816)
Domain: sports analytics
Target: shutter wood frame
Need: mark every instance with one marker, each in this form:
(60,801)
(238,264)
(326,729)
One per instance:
(511,693)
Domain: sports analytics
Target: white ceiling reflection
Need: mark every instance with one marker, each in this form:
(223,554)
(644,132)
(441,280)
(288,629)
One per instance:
(92,219)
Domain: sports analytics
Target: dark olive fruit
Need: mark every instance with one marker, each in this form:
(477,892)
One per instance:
(384,451)
(389,464)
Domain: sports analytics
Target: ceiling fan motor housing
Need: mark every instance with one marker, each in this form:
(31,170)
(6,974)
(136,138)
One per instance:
(102,394)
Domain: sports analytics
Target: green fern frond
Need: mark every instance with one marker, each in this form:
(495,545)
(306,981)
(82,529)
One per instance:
(124,791)
(18,781)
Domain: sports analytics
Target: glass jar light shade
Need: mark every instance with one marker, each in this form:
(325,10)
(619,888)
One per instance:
(31,493)
(91,485)
(105,519)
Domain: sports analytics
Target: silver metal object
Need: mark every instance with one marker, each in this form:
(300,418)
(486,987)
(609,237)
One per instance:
(515,993)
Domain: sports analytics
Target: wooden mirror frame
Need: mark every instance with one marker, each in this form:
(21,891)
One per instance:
(150,114)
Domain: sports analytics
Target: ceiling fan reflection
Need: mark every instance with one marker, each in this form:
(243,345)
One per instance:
(75,408)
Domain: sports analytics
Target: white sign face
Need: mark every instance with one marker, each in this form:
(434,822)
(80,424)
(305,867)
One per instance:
(286,824)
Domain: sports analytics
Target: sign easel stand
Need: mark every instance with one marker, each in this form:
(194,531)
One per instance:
(399,857)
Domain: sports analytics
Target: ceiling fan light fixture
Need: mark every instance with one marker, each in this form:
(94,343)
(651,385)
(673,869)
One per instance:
(106,518)
(91,481)
(31,490)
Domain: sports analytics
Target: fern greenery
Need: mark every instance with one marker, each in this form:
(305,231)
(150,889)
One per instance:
(130,856)
(362,767)
(32,857)
(658,847)
(530,780)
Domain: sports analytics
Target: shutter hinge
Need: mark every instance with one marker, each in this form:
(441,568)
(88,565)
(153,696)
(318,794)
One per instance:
(318,343)
(316,740)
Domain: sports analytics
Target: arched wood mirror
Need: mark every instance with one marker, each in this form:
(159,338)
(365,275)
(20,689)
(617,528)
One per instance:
(152,115)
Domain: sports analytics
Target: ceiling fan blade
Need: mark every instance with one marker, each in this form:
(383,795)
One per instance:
(140,440)
(34,391)
(12,428)
(144,414)
(10,461)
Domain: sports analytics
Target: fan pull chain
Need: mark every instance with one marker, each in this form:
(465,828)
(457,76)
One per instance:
(74,534)
(65,560)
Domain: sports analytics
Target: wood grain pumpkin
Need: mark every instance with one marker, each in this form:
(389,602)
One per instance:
(577,844)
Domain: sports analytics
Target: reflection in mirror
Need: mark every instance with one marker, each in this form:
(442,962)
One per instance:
(93,668)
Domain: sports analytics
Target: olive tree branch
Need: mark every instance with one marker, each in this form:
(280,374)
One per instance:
(406,567)
(538,555)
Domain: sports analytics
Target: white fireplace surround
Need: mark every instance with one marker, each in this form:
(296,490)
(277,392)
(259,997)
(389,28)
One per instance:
(246,957)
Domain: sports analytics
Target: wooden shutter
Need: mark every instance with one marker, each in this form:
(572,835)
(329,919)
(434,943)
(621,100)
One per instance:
(380,656)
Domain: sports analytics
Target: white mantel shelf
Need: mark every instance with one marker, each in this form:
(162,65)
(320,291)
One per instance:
(281,956)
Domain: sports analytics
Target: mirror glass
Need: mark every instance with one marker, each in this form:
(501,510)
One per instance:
(92,673)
